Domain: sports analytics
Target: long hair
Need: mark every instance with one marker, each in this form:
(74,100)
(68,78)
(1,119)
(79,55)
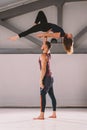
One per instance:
(67,43)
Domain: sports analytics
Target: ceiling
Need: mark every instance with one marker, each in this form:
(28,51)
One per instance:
(7,4)
(13,10)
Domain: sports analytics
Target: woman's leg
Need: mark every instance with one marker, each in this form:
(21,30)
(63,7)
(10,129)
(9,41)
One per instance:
(42,26)
(41,18)
(33,29)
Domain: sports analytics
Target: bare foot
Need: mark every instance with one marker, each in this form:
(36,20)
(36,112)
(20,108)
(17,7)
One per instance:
(53,116)
(39,118)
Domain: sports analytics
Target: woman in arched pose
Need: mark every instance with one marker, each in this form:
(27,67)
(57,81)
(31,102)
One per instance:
(50,29)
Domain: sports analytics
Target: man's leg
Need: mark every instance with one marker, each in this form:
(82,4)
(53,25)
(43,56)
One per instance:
(42,105)
(51,94)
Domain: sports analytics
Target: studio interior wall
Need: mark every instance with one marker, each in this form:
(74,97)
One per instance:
(19,80)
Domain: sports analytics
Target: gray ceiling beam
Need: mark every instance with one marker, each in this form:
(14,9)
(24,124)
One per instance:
(78,36)
(19,51)
(74,0)
(60,15)
(22,9)
(15,30)
(60,2)
(56,49)
(26,8)
(80,51)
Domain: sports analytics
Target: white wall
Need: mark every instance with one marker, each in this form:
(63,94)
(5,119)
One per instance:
(19,80)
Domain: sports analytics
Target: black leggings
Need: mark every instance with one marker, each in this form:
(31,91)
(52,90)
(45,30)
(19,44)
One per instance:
(41,18)
(41,25)
(48,82)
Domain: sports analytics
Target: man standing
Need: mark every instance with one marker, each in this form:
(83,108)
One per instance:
(46,81)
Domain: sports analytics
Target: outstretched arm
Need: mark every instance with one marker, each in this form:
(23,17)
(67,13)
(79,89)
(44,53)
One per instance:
(47,34)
